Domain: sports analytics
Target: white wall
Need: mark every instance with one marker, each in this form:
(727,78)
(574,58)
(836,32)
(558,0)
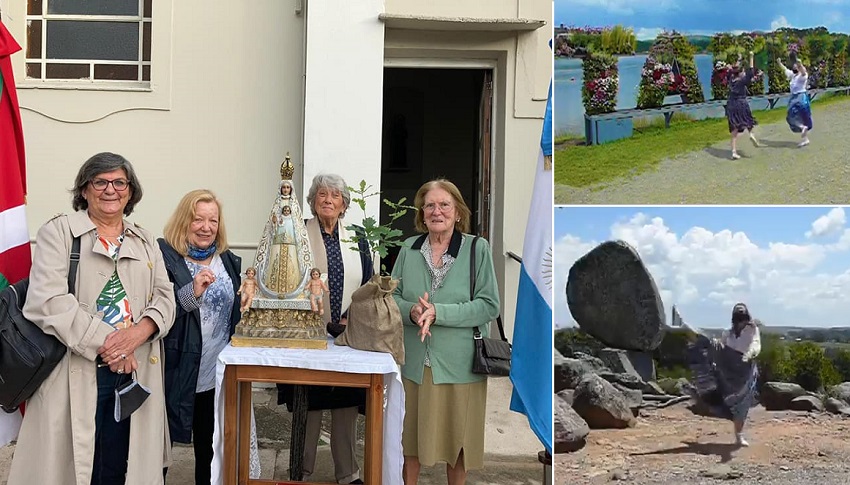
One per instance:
(344,94)
(233,109)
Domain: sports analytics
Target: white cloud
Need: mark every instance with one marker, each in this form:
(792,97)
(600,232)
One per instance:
(779,22)
(704,272)
(645,33)
(829,224)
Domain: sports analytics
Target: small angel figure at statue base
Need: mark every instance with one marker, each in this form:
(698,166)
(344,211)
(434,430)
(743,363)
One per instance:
(247,289)
(316,288)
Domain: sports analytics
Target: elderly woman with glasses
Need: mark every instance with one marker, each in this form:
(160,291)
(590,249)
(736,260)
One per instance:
(444,401)
(123,304)
(347,270)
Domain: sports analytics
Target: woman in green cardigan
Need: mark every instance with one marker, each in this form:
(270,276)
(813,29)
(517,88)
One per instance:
(444,400)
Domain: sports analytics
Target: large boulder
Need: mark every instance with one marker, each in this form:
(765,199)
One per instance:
(777,396)
(806,403)
(841,392)
(566,395)
(629,362)
(612,297)
(560,371)
(573,369)
(837,406)
(570,429)
(601,404)
(633,397)
(627,380)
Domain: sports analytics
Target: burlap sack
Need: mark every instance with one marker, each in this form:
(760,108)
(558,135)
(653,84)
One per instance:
(374,321)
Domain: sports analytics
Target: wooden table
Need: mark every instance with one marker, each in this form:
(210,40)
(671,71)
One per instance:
(238,368)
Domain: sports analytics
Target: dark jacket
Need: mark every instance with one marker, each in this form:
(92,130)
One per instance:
(183,343)
(334,397)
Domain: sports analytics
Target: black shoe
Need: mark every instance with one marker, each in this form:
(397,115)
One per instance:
(358,481)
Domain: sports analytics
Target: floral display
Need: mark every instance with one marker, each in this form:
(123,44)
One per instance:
(720,81)
(659,76)
(602,82)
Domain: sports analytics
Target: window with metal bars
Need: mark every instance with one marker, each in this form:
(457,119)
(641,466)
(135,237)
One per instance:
(89,40)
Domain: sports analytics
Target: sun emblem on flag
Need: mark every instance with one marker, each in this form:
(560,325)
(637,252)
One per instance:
(546,269)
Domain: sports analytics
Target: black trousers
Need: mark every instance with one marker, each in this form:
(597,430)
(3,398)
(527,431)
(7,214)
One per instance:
(202,435)
(111,439)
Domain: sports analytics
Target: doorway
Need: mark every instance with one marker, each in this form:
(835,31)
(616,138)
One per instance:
(437,123)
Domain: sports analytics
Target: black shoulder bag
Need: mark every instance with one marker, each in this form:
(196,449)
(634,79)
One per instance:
(492,357)
(27,354)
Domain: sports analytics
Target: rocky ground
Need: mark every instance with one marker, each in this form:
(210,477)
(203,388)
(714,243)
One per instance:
(673,446)
(778,173)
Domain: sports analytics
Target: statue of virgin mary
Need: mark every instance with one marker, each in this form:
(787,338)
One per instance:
(283,258)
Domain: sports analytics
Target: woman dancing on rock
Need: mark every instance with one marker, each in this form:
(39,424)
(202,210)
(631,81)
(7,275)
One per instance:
(725,374)
(799,116)
(738,111)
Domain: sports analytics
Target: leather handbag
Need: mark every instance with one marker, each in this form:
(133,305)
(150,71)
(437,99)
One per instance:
(492,356)
(27,354)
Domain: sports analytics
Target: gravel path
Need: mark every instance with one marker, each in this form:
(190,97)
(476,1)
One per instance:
(673,446)
(778,173)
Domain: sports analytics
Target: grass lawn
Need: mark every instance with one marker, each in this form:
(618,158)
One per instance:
(581,166)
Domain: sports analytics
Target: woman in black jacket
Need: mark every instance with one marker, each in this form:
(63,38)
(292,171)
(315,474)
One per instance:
(206,279)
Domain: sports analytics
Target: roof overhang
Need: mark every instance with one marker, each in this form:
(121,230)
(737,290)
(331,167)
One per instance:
(467,24)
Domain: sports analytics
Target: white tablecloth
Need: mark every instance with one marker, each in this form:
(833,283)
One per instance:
(334,358)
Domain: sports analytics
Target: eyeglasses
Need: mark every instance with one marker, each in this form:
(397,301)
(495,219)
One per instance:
(444,206)
(117,184)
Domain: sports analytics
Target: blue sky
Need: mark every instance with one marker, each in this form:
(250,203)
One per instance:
(648,17)
(790,265)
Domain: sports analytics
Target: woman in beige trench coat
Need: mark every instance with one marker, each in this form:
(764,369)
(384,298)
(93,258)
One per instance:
(57,443)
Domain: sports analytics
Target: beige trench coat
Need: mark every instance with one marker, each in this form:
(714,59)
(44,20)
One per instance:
(56,443)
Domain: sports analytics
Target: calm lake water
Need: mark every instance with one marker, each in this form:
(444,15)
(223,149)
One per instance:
(569,110)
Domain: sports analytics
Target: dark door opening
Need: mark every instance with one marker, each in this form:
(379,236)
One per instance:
(436,123)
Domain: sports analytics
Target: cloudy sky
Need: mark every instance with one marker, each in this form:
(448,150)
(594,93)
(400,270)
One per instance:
(648,17)
(790,265)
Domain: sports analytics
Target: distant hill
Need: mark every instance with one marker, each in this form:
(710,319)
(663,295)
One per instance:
(700,41)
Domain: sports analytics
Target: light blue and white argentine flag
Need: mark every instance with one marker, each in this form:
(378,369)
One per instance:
(531,362)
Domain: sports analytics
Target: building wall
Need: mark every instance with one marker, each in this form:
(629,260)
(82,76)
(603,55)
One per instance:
(233,103)
(228,102)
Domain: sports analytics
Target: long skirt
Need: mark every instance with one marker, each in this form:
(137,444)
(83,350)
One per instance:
(724,382)
(739,115)
(799,112)
(440,420)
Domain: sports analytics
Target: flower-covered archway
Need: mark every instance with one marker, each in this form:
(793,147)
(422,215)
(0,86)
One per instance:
(729,50)
(601,84)
(669,69)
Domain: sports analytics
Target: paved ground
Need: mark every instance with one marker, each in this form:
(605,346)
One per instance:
(673,446)
(778,173)
(510,458)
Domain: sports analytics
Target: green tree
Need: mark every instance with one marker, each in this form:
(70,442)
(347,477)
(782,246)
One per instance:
(619,40)
(811,368)
(773,360)
(841,361)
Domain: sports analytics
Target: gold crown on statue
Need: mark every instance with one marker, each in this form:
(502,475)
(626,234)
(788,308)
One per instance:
(286,168)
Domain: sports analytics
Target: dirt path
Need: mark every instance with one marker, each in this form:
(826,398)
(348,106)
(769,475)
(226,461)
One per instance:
(778,173)
(673,447)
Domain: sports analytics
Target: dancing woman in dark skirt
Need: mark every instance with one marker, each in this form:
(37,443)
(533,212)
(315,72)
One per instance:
(799,116)
(738,111)
(724,371)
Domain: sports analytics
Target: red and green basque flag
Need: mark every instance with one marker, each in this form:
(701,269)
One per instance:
(14,238)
